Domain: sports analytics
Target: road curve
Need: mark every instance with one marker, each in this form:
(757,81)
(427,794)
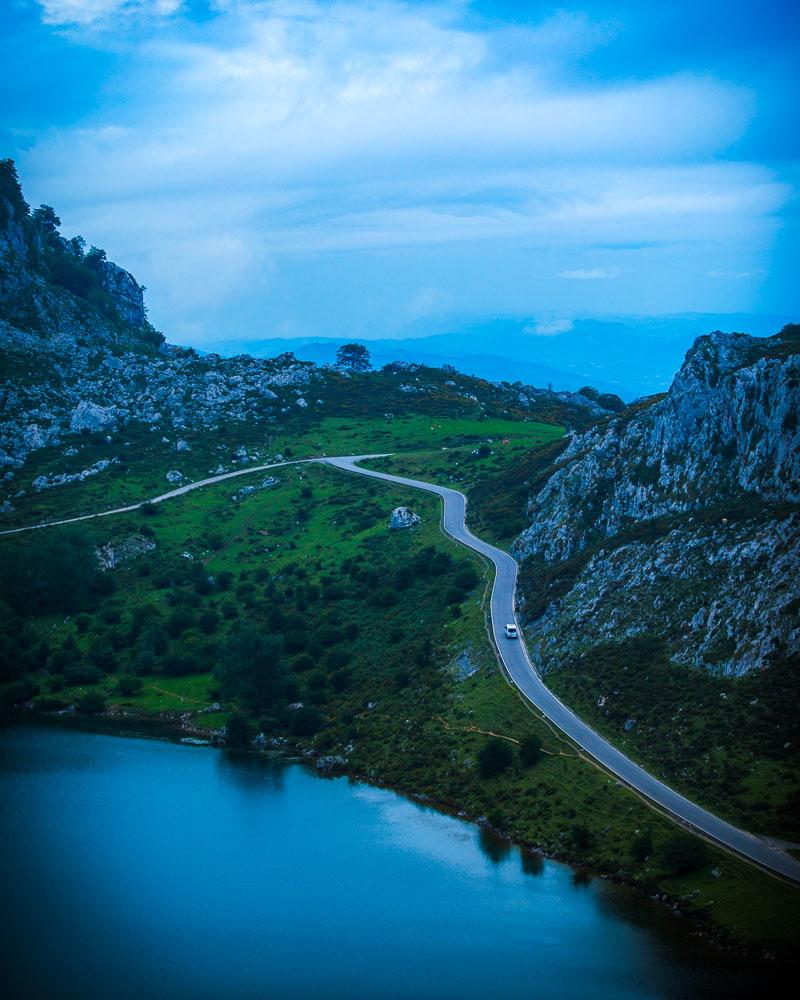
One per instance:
(524,676)
(518,666)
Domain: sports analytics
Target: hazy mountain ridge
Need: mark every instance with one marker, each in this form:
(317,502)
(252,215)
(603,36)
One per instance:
(680,519)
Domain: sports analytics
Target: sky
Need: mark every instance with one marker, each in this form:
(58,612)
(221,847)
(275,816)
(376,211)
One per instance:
(373,169)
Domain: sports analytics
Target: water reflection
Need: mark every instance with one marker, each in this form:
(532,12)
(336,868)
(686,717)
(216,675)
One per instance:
(532,863)
(494,848)
(253,773)
(581,878)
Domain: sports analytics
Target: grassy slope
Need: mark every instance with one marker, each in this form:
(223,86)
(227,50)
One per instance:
(417,737)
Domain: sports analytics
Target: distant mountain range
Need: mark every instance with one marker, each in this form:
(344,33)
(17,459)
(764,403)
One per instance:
(631,357)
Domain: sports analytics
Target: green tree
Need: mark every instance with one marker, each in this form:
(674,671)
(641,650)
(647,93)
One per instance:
(353,358)
(683,854)
(530,752)
(54,571)
(305,722)
(251,667)
(494,757)
(237,732)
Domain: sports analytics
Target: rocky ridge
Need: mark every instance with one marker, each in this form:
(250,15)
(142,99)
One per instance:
(681,518)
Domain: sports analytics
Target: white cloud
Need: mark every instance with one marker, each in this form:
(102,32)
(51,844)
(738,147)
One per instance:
(590,274)
(89,12)
(305,130)
(548,326)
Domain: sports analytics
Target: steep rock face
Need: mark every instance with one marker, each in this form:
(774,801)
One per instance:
(126,293)
(681,519)
(730,422)
(51,289)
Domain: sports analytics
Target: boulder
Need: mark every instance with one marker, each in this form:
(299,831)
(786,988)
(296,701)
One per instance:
(402,517)
(89,416)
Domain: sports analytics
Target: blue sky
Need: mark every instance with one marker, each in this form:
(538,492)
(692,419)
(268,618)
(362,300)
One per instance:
(370,169)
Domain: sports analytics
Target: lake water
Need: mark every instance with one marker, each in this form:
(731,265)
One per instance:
(142,868)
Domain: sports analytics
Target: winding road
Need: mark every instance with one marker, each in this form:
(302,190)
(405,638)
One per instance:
(521,672)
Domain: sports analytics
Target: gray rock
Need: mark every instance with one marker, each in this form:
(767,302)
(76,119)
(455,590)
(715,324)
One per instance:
(402,517)
(112,554)
(88,416)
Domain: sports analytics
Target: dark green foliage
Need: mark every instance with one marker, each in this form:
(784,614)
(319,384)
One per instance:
(237,732)
(91,703)
(683,855)
(530,752)
(611,401)
(51,571)
(129,684)
(19,691)
(494,757)
(251,667)
(81,673)
(581,837)
(305,721)
(642,846)
(498,500)
(353,358)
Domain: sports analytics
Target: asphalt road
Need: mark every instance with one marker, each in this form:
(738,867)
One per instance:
(524,676)
(518,666)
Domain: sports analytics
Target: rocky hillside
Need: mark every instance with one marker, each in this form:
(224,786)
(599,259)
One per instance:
(679,518)
(79,355)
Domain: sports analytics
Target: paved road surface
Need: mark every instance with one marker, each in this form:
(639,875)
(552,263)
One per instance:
(519,668)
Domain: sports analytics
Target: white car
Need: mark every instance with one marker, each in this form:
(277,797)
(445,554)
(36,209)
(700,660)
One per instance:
(511,632)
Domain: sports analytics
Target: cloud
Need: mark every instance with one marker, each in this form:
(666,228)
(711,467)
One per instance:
(590,274)
(548,327)
(90,12)
(270,136)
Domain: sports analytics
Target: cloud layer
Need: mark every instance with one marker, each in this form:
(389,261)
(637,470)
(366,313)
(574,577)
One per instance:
(250,163)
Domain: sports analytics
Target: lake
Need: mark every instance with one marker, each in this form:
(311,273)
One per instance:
(136,867)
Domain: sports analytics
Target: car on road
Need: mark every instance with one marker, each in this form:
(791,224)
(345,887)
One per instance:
(511,632)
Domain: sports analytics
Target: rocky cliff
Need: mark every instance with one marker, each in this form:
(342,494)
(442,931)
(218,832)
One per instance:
(53,290)
(680,517)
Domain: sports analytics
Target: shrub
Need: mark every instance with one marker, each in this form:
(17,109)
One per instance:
(305,722)
(82,673)
(642,846)
(530,752)
(237,732)
(91,703)
(682,854)
(129,684)
(494,757)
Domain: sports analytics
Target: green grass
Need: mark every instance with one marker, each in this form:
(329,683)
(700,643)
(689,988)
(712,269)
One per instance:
(303,547)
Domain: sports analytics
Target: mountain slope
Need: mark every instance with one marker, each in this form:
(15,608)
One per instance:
(662,563)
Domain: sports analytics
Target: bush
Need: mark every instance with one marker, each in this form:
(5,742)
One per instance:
(530,752)
(581,838)
(305,722)
(251,666)
(129,684)
(53,571)
(683,855)
(20,691)
(642,846)
(237,732)
(495,757)
(92,703)
(82,673)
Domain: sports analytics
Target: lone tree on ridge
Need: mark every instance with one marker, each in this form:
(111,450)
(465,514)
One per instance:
(353,358)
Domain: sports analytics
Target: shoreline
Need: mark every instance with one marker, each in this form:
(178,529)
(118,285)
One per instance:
(169,728)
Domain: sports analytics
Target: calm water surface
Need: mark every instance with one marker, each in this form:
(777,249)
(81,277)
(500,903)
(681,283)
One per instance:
(137,868)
